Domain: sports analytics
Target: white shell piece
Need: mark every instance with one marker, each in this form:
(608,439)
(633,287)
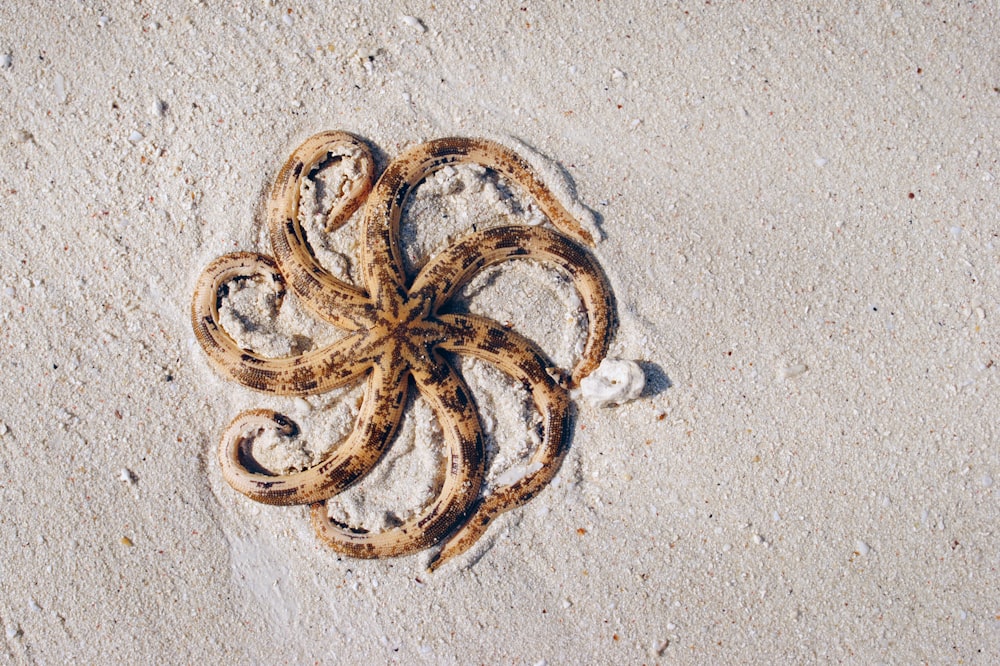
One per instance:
(614,382)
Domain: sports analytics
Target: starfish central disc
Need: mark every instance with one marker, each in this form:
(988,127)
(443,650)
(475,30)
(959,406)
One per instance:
(406,329)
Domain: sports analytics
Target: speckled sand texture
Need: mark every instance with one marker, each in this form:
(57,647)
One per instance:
(799,207)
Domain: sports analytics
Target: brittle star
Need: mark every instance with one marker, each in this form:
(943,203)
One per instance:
(397,328)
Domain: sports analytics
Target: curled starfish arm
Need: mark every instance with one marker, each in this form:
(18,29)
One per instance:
(376,424)
(524,362)
(505,161)
(448,271)
(452,403)
(330,298)
(314,372)
(383,266)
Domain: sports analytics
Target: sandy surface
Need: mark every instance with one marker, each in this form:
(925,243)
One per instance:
(800,213)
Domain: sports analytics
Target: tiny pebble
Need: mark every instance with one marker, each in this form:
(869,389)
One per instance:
(126,476)
(33,605)
(125,541)
(6,61)
(793,371)
(987,481)
(135,136)
(103,22)
(3,428)
(821,162)
(14,631)
(862,547)
(158,108)
(60,88)
(413,22)
(287,19)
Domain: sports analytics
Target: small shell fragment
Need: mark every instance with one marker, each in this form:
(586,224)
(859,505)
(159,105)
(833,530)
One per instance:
(413,22)
(615,382)
(517,472)
(158,108)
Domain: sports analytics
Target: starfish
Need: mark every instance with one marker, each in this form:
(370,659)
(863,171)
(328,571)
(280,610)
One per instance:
(397,327)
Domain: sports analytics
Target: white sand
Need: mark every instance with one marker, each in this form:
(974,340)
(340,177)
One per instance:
(800,213)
